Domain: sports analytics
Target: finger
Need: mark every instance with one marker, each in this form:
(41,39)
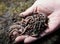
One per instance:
(27,12)
(29,40)
(53,24)
(43,10)
(20,39)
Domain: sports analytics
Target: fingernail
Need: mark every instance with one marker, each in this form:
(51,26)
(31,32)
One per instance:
(21,15)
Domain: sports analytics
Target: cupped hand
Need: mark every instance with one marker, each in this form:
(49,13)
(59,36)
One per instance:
(49,7)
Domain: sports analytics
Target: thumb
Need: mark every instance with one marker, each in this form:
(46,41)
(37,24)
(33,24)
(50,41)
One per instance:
(27,12)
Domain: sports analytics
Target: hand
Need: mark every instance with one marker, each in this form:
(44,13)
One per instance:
(52,9)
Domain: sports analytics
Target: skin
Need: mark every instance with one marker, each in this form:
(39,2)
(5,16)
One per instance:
(52,9)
